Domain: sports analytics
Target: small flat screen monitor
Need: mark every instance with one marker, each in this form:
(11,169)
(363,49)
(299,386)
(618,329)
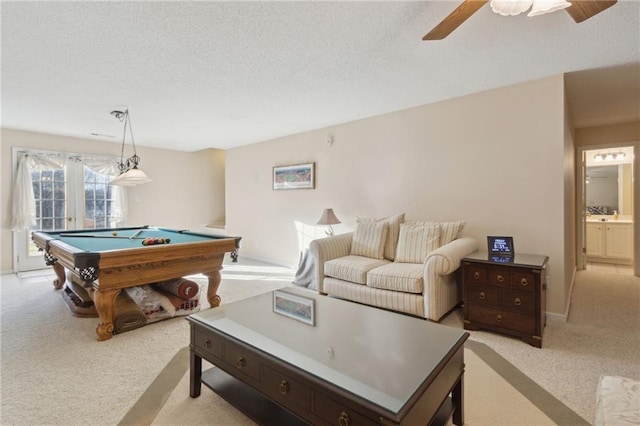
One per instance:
(500,246)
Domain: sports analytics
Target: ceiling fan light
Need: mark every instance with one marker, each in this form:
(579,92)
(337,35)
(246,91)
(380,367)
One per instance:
(510,7)
(540,7)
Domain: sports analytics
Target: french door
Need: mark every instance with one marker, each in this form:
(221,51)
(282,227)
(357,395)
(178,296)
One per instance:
(69,197)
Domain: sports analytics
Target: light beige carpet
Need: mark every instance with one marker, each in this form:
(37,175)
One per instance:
(490,399)
(54,372)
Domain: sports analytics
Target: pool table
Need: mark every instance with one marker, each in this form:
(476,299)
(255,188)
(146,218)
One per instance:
(108,260)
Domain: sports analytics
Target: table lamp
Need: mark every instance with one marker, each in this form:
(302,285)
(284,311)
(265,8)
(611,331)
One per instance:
(328,218)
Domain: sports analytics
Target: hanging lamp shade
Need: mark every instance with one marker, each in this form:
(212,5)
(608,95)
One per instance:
(540,7)
(130,174)
(510,7)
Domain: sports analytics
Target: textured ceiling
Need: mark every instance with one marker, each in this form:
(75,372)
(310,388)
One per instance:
(223,74)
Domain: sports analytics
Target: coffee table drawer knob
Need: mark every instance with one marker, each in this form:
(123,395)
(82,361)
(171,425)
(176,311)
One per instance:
(524,282)
(482,296)
(344,420)
(241,362)
(207,344)
(499,318)
(284,387)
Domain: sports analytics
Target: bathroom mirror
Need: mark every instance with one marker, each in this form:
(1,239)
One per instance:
(609,189)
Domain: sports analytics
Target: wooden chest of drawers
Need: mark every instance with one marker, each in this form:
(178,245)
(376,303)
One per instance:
(505,295)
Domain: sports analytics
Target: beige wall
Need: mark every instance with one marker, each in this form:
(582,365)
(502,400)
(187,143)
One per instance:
(497,159)
(187,191)
(570,242)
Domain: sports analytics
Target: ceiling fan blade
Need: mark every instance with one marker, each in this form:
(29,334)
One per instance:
(455,19)
(583,10)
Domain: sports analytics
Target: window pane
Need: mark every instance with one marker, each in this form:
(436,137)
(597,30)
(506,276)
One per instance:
(59,209)
(38,207)
(100,208)
(88,192)
(47,208)
(110,207)
(61,224)
(89,210)
(59,192)
(58,175)
(100,191)
(47,175)
(36,189)
(47,190)
(47,224)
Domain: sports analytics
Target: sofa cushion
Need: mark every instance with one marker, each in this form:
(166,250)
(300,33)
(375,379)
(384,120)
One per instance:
(352,268)
(394,300)
(406,277)
(449,231)
(368,239)
(415,242)
(393,231)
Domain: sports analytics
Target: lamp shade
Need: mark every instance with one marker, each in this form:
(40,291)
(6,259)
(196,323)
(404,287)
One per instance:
(510,7)
(540,7)
(328,218)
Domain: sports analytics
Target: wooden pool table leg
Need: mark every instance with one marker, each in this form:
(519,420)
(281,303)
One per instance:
(212,289)
(105,301)
(60,273)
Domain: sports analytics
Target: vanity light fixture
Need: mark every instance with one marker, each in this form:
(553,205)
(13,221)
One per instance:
(620,155)
(598,157)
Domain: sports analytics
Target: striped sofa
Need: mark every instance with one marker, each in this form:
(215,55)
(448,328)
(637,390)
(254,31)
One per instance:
(406,267)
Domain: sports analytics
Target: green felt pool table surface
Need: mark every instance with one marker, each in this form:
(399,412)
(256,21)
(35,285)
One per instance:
(103,240)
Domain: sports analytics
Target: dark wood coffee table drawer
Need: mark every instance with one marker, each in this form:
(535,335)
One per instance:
(243,360)
(281,387)
(334,413)
(208,343)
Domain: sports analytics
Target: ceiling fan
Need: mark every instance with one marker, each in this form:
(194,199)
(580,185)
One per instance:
(579,11)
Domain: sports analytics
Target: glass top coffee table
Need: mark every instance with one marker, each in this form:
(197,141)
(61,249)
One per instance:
(295,357)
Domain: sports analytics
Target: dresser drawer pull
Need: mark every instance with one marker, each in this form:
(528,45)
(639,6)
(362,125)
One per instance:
(518,302)
(241,362)
(524,282)
(476,275)
(284,387)
(344,420)
(207,344)
(499,318)
(500,278)
(482,296)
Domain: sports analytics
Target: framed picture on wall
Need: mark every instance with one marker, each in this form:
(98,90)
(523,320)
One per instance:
(296,176)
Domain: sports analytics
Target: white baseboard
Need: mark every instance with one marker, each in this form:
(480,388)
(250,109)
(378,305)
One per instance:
(555,317)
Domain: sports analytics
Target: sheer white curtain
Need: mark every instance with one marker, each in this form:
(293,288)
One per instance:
(107,166)
(24,206)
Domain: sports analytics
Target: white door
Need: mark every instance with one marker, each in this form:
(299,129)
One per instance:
(67,198)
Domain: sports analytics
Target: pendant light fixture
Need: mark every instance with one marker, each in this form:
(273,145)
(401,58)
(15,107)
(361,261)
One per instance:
(130,174)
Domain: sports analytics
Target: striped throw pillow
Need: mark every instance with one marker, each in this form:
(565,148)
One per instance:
(449,230)
(369,238)
(415,242)
(393,223)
